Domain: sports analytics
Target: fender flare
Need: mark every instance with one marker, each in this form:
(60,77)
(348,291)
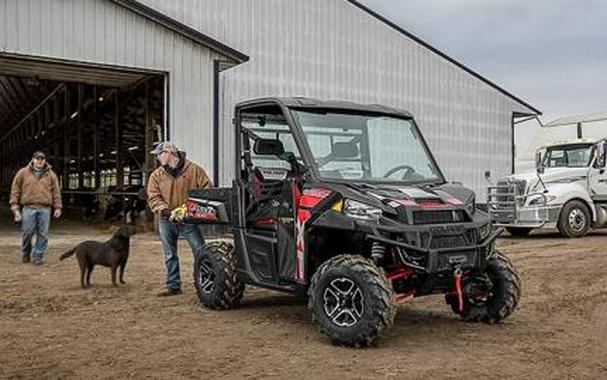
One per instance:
(567,192)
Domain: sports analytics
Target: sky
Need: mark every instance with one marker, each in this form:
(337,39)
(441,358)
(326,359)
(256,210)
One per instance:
(550,53)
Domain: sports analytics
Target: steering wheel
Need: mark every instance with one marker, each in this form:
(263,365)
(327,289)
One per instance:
(408,171)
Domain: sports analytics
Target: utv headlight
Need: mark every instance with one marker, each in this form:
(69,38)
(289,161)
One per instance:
(360,210)
(471,204)
(484,231)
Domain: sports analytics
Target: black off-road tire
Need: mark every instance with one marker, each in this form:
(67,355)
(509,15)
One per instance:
(575,219)
(519,231)
(370,311)
(504,298)
(217,285)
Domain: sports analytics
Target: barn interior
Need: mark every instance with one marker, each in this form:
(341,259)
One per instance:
(96,126)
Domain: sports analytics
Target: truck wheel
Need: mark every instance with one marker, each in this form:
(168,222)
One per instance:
(491,296)
(215,278)
(351,300)
(519,231)
(574,220)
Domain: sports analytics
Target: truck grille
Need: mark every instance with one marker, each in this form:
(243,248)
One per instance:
(503,196)
(438,216)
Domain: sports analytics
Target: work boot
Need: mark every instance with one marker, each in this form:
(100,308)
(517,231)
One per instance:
(170,292)
(26,259)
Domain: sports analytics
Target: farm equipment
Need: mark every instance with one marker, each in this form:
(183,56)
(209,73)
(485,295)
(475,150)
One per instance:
(345,203)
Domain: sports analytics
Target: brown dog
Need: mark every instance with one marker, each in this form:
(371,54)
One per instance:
(113,253)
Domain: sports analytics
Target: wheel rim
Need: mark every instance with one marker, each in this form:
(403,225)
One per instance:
(206,277)
(577,220)
(343,302)
(479,291)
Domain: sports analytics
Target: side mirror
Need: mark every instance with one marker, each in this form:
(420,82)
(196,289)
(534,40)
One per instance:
(538,160)
(488,174)
(268,147)
(600,155)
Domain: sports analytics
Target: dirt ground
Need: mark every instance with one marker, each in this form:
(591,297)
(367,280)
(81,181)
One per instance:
(51,328)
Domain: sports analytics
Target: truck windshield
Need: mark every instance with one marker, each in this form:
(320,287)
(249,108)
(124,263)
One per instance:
(568,156)
(358,147)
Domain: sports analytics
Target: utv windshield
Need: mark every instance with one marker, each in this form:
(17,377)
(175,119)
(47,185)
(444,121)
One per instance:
(568,156)
(358,147)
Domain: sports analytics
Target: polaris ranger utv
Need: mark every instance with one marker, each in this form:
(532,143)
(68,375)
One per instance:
(346,202)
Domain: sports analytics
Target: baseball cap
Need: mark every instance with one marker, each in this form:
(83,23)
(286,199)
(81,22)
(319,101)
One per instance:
(38,154)
(162,146)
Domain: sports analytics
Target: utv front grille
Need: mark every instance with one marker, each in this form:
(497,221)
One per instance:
(438,216)
(464,239)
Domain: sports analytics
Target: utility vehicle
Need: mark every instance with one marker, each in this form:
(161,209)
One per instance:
(346,203)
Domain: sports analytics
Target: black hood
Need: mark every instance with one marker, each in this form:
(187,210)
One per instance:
(393,199)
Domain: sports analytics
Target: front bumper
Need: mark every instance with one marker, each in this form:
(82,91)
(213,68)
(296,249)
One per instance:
(443,260)
(506,204)
(530,217)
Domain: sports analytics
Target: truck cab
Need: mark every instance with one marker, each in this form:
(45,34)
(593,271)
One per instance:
(567,191)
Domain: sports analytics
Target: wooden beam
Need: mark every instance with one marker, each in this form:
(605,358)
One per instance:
(33,111)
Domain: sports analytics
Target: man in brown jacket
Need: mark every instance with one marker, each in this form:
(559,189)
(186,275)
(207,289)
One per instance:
(167,189)
(35,189)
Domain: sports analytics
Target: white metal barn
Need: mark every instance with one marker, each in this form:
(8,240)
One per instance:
(340,49)
(169,59)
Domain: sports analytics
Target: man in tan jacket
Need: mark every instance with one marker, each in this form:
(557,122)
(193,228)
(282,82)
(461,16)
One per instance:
(35,189)
(167,189)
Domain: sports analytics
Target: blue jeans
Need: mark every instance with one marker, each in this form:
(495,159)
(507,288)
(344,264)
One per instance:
(169,233)
(35,222)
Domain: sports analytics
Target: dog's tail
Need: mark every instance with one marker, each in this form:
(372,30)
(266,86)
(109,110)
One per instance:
(67,254)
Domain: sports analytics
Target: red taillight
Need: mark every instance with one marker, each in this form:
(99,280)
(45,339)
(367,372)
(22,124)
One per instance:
(200,211)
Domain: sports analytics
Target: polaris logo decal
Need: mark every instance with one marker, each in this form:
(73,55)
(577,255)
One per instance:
(447,230)
(458,259)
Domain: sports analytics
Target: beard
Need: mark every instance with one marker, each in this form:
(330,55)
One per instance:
(173,163)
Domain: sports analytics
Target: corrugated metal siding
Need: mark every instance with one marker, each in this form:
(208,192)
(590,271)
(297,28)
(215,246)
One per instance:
(332,50)
(97,31)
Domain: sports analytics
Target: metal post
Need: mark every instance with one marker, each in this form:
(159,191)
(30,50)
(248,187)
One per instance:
(118,144)
(579,130)
(148,137)
(66,141)
(216,121)
(96,140)
(80,126)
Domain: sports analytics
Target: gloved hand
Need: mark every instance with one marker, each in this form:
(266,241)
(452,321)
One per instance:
(178,214)
(165,213)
